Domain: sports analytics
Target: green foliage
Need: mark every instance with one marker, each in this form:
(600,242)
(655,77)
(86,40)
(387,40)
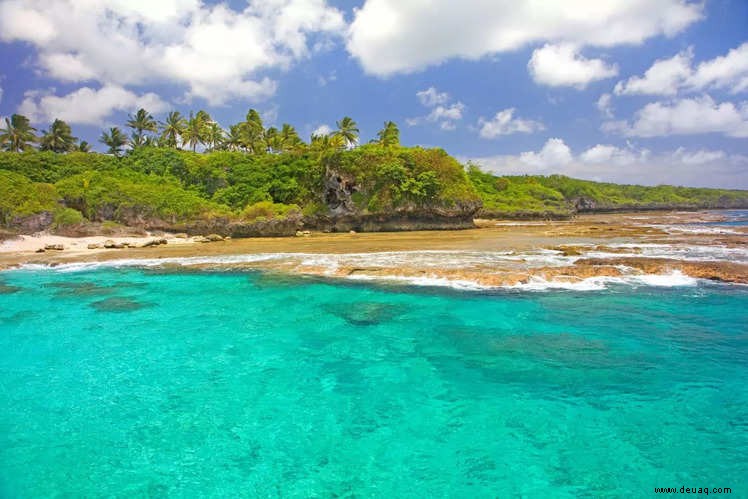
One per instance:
(20,197)
(389,135)
(557,195)
(127,195)
(59,138)
(18,134)
(49,167)
(114,139)
(391,177)
(266,210)
(172,185)
(67,217)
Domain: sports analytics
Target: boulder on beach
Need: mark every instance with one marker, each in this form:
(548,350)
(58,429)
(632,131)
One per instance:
(54,247)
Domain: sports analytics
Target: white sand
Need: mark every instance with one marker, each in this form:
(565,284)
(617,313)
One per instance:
(26,244)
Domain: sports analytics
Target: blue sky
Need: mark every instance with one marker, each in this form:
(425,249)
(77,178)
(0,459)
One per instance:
(634,91)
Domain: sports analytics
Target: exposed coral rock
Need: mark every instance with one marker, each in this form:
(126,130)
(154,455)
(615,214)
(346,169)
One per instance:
(717,271)
(32,223)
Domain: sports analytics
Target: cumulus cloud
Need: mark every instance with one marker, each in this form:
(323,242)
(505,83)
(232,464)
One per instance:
(443,112)
(87,106)
(608,154)
(321,131)
(216,52)
(628,165)
(504,123)
(562,66)
(689,116)
(401,36)
(555,153)
(432,97)
(605,106)
(675,74)
(665,77)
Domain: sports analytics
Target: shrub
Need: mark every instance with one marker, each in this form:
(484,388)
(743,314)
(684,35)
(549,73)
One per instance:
(67,217)
(268,210)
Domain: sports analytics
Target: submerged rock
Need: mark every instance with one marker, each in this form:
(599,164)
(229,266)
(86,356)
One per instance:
(118,304)
(367,313)
(73,289)
(6,289)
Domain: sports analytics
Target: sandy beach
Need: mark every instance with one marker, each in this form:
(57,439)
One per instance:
(498,253)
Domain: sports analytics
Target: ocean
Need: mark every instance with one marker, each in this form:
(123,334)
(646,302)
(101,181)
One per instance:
(150,381)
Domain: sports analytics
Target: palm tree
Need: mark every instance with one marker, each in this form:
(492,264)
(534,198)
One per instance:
(234,140)
(83,146)
(253,133)
(290,140)
(347,130)
(59,138)
(172,129)
(214,136)
(18,134)
(273,140)
(115,140)
(326,142)
(194,134)
(141,122)
(389,135)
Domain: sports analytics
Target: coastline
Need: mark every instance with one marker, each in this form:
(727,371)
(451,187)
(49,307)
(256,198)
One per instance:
(580,253)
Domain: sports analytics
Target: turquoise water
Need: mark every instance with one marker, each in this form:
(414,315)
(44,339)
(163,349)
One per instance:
(145,383)
(733,218)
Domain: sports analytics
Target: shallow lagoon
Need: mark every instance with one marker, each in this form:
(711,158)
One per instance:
(132,382)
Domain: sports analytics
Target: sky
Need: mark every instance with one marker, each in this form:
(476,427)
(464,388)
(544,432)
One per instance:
(630,91)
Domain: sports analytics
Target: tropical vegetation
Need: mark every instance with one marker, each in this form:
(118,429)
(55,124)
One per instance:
(189,168)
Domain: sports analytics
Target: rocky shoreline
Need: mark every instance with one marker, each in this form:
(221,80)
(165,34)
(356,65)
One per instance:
(496,254)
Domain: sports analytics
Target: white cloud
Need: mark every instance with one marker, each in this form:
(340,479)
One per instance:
(442,112)
(19,21)
(627,165)
(323,80)
(605,106)
(562,65)
(432,97)
(676,74)
(66,67)
(728,71)
(321,131)
(555,153)
(504,123)
(608,154)
(700,157)
(688,116)
(451,112)
(87,106)
(400,36)
(665,77)
(217,53)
